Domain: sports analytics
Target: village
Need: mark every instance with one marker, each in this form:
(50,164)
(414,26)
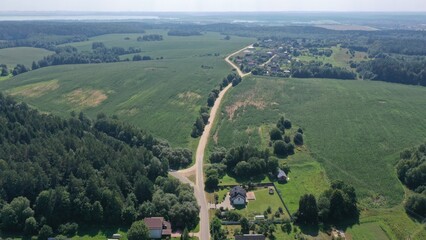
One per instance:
(267,58)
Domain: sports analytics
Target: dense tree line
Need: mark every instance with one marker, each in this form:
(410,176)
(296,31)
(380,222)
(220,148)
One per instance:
(242,162)
(320,70)
(57,172)
(391,69)
(42,41)
(336,204)
(150,37)
(411,170)
(184,33)
(71,55)
(13,30)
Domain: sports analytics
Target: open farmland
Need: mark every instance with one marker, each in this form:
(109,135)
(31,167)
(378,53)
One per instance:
(22,55)
(355,130)
(161,96)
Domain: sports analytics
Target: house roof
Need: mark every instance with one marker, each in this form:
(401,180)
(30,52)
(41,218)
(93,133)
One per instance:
(281,174)
(250,237)
(237,191)
(154,223)
(167,230)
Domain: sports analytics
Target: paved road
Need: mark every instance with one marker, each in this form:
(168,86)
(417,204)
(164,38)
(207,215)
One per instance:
(200,195)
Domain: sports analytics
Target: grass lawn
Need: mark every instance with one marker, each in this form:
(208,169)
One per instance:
(262,202)
(99,234)
(22,55)
(162,97)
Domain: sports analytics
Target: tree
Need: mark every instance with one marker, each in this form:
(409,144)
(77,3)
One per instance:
(143,189)
(337,205)
(275,134)
(211,99)
(416,205)
(216,230)
(45,232)
(280,148)
(298,139)
(308,210)
(34,66)
(245,225)
(281,125)
(287,124)
(97,212)
(212,180)
(185,234)
(138,231)
(30,226)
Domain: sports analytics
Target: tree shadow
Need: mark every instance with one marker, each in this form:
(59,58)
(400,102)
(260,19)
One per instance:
(311,229)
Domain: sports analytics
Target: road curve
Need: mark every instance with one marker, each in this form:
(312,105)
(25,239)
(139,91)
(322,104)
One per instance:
(204,233)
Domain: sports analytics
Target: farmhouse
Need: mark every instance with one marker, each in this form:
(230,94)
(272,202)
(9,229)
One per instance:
(158,228)
(238,196)
(250,237)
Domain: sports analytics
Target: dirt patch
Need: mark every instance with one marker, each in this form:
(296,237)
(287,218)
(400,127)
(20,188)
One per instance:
(86,97)
(188,96)
(249,101)
(216,137)
(35,89)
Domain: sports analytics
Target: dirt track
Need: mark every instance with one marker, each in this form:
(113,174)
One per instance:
(204,233)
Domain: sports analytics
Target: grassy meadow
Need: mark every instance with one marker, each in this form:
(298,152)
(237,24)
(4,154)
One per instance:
(22,55)
(354,131)
(160,96)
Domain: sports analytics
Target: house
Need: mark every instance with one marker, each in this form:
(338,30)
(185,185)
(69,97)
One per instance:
(259,217)
(250,237)
(158,227)
(282,177)
(238,196)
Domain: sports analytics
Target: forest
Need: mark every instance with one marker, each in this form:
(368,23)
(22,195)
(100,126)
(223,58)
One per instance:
(411,170)
(59,174)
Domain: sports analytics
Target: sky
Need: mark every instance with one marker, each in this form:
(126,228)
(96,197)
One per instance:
(214,5)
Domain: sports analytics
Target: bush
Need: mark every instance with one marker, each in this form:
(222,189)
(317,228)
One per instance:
(298,139)
(138,231)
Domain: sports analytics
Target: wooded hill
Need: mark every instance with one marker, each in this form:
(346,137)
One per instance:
(56,171)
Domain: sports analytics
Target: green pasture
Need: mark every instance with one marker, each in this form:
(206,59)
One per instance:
(22,55)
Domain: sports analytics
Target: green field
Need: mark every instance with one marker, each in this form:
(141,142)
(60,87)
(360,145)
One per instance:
(22,55)
(161,96)
(354,131)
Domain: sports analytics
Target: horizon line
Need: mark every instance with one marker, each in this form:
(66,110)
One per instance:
(177,11)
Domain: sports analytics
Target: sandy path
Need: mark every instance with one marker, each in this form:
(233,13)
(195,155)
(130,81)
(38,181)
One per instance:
(199,193)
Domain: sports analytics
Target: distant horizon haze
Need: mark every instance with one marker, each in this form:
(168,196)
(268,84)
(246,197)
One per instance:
(214,6)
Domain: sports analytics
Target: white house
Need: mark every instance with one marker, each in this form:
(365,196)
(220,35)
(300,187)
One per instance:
(158,228)
(238,196)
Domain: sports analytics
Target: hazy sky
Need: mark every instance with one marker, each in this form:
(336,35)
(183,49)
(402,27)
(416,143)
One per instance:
(214,5)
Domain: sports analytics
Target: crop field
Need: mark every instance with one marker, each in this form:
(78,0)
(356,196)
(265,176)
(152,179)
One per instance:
(354,130)
(160,96)
(172,47)
(22,55)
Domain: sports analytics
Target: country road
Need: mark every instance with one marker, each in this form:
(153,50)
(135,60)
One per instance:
(200,195)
